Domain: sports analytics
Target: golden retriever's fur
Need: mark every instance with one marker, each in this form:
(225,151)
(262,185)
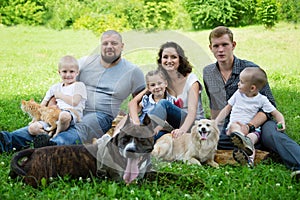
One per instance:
(196,147)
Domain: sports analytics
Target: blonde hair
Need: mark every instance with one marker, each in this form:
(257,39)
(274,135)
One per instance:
(68,61)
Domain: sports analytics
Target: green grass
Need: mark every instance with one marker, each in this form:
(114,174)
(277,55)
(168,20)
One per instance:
(28,61)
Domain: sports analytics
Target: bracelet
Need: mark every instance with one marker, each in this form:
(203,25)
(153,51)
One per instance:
(251,128)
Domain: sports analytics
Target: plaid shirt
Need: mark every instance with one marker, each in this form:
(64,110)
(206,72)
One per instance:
(218,92)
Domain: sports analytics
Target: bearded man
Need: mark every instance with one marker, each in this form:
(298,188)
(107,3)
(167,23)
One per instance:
(109,80)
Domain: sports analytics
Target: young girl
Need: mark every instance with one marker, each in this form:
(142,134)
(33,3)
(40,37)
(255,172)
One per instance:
(155,91)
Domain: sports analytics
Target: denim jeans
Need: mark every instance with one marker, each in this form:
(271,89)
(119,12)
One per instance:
(169,112)
(93,125)
(280,143)
(15,140)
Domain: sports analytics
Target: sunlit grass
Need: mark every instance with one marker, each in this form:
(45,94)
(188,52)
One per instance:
(28,60)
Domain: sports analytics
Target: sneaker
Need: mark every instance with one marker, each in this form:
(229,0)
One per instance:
(166,126)
(42,140)
(241,157)
(242,142)
(295,175)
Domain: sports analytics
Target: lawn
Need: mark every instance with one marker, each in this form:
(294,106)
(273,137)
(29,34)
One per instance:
(28,60)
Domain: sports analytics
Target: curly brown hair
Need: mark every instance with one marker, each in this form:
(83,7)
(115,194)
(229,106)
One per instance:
(184,65)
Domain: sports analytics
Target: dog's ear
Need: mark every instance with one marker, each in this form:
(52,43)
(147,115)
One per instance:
(146,120)
(194,128)
(127,120)
(115,139)
(215,126)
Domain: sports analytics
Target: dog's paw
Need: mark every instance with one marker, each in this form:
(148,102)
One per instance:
(155,152)
(193,161)
(213,163)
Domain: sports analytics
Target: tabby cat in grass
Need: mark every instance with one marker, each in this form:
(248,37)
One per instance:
(48,114)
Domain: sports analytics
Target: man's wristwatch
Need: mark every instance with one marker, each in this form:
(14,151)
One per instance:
(251,128)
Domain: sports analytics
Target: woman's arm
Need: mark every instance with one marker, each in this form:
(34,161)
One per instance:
(192,110)
(135,106)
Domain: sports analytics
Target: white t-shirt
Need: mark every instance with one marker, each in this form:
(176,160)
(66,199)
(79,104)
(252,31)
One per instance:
(71,90)
(191,79)
(245,108)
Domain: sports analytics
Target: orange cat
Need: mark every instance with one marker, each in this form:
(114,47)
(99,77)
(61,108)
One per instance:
(48,114)
(32,108)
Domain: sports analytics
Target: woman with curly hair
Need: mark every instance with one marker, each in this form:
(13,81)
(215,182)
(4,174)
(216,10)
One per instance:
(184,85)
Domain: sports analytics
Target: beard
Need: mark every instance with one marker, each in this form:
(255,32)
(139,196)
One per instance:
(110,59)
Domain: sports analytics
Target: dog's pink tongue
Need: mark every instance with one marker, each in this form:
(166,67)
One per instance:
(131,171)
(203,136)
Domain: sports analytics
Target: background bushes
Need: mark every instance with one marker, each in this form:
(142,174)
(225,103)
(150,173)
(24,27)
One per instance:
(289,10)
(211,13)
(100,15)
(30,12)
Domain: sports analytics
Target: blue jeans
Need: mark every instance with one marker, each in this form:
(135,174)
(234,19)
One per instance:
(274,141)
(93,125)
(169,112)
(280,143)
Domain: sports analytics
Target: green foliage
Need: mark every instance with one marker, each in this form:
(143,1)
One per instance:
(212,13)
(30,12)
(289,10)
(147,15)
(158,15)
(62,13)
(267,12)
(132,14)
(99,23)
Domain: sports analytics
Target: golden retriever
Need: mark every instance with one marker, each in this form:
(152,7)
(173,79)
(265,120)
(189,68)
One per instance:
(196,147)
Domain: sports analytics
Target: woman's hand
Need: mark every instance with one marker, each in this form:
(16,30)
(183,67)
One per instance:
(177,133)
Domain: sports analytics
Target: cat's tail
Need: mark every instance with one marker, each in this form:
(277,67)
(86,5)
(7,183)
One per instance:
(18,163)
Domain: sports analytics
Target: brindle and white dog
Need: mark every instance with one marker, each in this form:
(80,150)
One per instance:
(123,157)
(196,147)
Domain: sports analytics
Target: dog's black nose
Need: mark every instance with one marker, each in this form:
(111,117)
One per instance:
(131,149)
